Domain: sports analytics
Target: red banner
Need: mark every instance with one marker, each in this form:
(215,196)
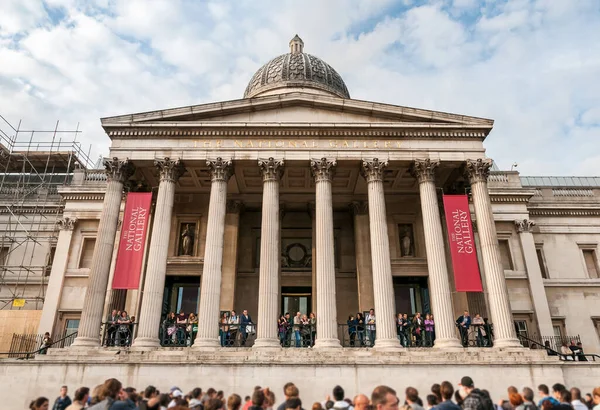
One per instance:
(462,244)
(133,240)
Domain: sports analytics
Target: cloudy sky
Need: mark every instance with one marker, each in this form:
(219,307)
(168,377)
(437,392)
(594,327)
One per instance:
(531,65)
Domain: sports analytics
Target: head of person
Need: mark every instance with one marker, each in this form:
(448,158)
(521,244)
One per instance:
(111,388)
(575,394)
(234,402)
(338,393)
(213,404)
(466,313)
(371,311)
(124,313)
(172,315)
(565,396)
(298,314)
(446,390)
(466,386)
(212,393)
(81,395)
(220,395)
(359,315)
(287,315)
(478,316)
(458,398)
(63,391)
(412,395)
(432,400)
(293,403)
(313,315)
(361,402)
(114,312)
(258,398)
(41,403)
(384,398)
(233,313)
(512,389)
(596,395)
(435,389)
(245,312)
(131,393)
(317,406)
(515,399)
(196,393)
(405,316)
(351,317)
(527,394)
(150,392)
(290,390)
(164,400)
(589,398)
(269,398)
(557,390)
(543,390)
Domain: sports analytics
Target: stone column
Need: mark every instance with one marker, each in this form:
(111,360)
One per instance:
(534,274)
(230,254)
(88,335)
(327,336)
(210,292)
(57,275)
(362,249)
(504,330)
(439,290)
(383,286)
(156,268)
(270,249)
(313,253)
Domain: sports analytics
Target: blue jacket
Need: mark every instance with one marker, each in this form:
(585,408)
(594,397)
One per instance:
(460,320)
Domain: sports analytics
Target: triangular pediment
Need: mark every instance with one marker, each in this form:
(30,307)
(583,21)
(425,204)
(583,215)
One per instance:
(296,108)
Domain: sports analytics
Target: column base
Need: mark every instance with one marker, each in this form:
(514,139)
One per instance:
(451,343)
(146,342)
(324,344)
(206,344)
(85,342)
(388,345)
(507,343)
(266,343)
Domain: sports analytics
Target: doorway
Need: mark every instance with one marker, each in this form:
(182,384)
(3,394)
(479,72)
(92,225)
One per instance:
(412,295)
(296,299)
(181,293)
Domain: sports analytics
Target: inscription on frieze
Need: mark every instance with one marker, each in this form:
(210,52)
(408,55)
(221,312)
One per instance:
(287,144)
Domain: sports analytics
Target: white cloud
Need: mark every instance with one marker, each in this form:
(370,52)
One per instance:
(532,65)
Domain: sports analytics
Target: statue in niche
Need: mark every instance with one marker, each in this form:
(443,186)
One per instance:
(186,246)
(406,241)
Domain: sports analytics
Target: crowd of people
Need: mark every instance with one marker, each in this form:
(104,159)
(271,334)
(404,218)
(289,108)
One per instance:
(111,395)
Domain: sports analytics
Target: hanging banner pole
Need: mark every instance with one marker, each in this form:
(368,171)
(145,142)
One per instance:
(462,244)
(133,241)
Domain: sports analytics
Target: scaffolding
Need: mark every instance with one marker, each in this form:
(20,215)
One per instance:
(33,165)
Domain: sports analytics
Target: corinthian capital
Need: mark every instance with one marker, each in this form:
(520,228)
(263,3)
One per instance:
(66,223)
(524,225)
(169,169)
(271,169)
(323,169)
(220,170)
(118,170)
(478,170)
(424,170)
(372,170)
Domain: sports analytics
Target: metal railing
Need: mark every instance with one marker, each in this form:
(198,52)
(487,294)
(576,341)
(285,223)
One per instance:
(549,343)
(26,346)
(118,334)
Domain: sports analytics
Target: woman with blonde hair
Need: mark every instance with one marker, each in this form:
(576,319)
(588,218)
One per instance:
(111,390)
(269,399)
(234,402)
(596,398)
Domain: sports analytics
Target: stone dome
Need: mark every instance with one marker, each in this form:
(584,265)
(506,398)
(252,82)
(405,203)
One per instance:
(296,69)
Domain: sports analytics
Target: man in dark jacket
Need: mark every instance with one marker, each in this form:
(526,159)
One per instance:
(463,323)
(447,392)
(475,399)
(245,321)
(63,401)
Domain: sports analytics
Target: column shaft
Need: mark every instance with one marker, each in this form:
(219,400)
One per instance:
(268,282)
(88,334)
(362,249)
(383,287)
(499,304)
(230,255)
(439,290)
(156,270)
(327,336)
(208,315)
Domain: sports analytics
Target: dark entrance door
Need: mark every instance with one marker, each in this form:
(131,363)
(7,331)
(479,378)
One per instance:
(412,295)
(296,299)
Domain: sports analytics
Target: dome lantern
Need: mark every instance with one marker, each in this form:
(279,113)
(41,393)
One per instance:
(296,45)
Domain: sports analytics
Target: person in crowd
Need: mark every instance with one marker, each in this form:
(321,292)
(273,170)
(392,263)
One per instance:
(351,329)
(360,402)
(384,398)
(557,390)
(221,395)
(580,354)
(305,331)
(338,399)
(589,401)
(446,393)
(474,399)
(399,327)
(371,321)
(123,331)
(111,328)
(176,394)
(258,400)
(192,328)
(163,401)
(234,322)
(596,398)
(566,352)
(196,398)
(293,404)
(360,328)
(402,326)
(317,406)
(298,328)
(112,396)
(269,399)
(151,398)
(80,399)
(282,327)
(544,393)
(528,403)
(181,321)
(170,328)
(224,329)
(46,343)
(478,323)
(412,398)
(565,400)
(289,390)
(432,401)
(549,350)
(429,329)
(463,323)
(245,328)
(418,327)
(506,404)
(41,403)
(312,318)
(516,401)
(436,391)
(233,402)
(63,401)
(576,399)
